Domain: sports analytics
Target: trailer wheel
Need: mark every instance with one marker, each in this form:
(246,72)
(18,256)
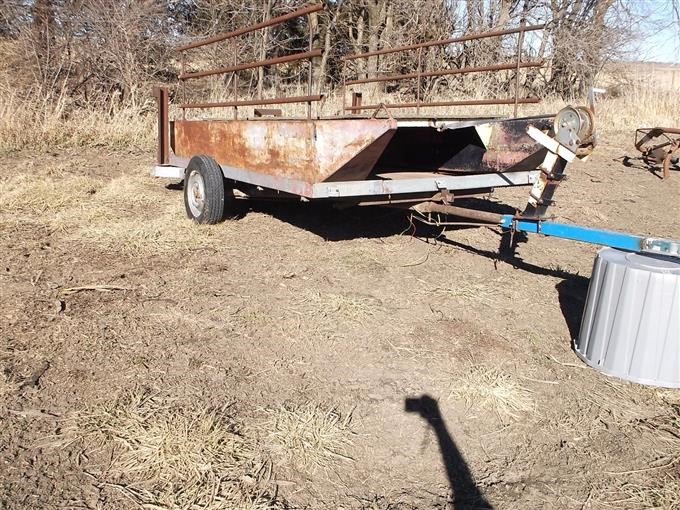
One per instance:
(205,193)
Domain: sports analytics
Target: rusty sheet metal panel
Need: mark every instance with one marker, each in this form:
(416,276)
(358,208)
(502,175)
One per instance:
(510,147)
(493,146)
(307,150)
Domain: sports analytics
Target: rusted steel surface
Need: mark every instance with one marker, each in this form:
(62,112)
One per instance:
(255,102)
(495,146)
(461,212)
(307,150)
(421,73)
(658,145)
(252,28)
(253,65)
(443,42)
(464,102)
(309,56)
(163,149)
(509,145)
(446,72)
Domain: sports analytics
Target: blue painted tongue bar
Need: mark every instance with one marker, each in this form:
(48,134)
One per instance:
(620,240)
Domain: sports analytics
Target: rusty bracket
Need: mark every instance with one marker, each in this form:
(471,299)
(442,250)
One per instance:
(382,106)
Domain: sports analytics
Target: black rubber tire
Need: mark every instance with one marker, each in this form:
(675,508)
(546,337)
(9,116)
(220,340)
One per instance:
(217,197)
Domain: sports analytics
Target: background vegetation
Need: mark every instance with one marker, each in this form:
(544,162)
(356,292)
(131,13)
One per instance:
(79,72)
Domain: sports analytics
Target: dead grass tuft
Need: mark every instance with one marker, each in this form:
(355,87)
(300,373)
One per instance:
(7,388)
(168,456)
(166,232)
(490,388)
(485,292)
(354,307)
(662,493)
(309,436)
(128,214)
(38,194)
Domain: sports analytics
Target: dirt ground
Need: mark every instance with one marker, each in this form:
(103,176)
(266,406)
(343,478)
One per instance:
(301,357)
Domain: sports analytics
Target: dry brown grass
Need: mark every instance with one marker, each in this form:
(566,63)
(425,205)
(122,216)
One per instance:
(168,231)
(167,455)
(7,388)
(41,124)
(353,307)
(662,493)
(482,291)
(48,124)
(34,193)
(129,214)
(309,436)
(490,388)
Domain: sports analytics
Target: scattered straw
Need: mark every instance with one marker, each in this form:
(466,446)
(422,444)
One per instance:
(349,306)
(495,390)
(38,194)
(131,214)
(169,231)
(663,492)
(309,436)
(7,388)
(474,292)
(169,456)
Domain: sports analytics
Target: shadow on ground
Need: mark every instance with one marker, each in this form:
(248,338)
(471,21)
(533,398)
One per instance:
(466,494)
(334,224)
(572,289)
(342,224)
(639,163)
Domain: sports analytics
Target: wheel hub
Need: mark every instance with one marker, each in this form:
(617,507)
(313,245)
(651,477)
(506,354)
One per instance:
(196,194)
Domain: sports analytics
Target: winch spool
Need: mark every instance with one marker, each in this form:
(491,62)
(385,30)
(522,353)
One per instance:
(631,322)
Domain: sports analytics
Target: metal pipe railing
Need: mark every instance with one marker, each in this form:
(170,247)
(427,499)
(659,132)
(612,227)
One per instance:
(253,65)
(515,65)
(443,42)
(446,72)
(252,28)
(256,102)
(236,67)
(464,102)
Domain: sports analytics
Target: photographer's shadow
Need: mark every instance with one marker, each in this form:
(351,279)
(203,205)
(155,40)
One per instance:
(466,494)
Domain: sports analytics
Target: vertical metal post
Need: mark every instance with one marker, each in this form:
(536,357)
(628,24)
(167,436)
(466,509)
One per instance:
(235,79)
(311,67)
(163,149)
(184,87)
(344,86)
(420,70)
(356,102)
(520,45)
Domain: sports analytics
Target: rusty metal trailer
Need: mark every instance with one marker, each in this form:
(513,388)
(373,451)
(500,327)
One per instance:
(370,155)
(367,154)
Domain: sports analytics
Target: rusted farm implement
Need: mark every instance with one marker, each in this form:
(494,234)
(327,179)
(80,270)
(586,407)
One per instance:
(369,154)
(659,145)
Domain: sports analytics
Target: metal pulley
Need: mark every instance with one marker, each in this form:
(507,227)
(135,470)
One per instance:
(574,126)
